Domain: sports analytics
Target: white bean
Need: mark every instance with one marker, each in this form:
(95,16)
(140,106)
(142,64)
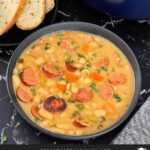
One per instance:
(100,112)
(58,130)
(44,123)
(74,89)
(43,113)
(36,99)
(40,60)
(16,81)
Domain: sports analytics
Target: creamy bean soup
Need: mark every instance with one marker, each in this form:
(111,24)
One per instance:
(73,83)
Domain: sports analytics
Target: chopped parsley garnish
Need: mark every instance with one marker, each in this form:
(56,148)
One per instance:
(80,55)
(4,138)
(88,65)
(94,54)
(33,46)
(33,91)
(75,113)
(100,126)
(57,97)
(69,60)
(94,87)
(117,97)
(80,107)
(47,46)
(37,119)
(103,68)
(80,69)
(66,93)
(62,78)
(57,67)
(71,101)
(73,42)
(102,119)
(76,47)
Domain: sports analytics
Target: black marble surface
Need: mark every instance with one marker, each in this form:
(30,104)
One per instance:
(135,33)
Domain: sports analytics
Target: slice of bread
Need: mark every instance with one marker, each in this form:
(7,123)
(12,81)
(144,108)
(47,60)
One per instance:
(50,4)
(32,14)
(9,10)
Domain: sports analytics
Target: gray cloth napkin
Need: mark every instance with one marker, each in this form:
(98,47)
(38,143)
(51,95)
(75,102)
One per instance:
(137,131)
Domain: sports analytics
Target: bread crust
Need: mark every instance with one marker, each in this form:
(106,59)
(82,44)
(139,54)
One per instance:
(22,27)
(51,4)
(13,19)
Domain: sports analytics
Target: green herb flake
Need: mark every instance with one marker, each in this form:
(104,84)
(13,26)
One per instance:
(71,101)
(21,61)
(80,107)
(69,60)
(47,46)
(100,126)
(57,67)
(76,48)
(33,91)
(33,47)
(73,42)
(102,68)
(117,97)
(94,54)
(80,55)
(75,114)
(88,65)
(62,78)
(80,69)
(102,119)
(94,87)
(57,97)
(4,138)
(66,93)
(38,119)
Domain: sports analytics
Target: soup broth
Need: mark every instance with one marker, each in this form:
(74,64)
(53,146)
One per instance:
(73,83)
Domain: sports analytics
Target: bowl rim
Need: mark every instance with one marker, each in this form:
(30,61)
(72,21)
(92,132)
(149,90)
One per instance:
(74,26)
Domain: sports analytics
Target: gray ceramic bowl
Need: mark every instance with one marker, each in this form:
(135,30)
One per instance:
(85,27)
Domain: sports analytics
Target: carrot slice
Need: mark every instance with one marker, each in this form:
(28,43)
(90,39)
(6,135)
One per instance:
(85,48)
(71,77)
(77,124)
(61,87)
(109,108)
(96,76)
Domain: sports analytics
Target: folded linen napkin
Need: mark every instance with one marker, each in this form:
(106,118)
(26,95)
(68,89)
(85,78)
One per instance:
(137,131)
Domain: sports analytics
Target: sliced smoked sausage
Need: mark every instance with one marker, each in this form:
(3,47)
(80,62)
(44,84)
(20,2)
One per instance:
(84,94)
(29,77)
(23,96)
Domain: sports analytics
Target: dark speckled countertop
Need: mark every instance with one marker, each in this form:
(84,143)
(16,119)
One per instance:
(135,33)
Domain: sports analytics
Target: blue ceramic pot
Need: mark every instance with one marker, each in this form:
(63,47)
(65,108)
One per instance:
(128,9)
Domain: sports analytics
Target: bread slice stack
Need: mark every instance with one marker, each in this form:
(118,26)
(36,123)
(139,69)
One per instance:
(26,14)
